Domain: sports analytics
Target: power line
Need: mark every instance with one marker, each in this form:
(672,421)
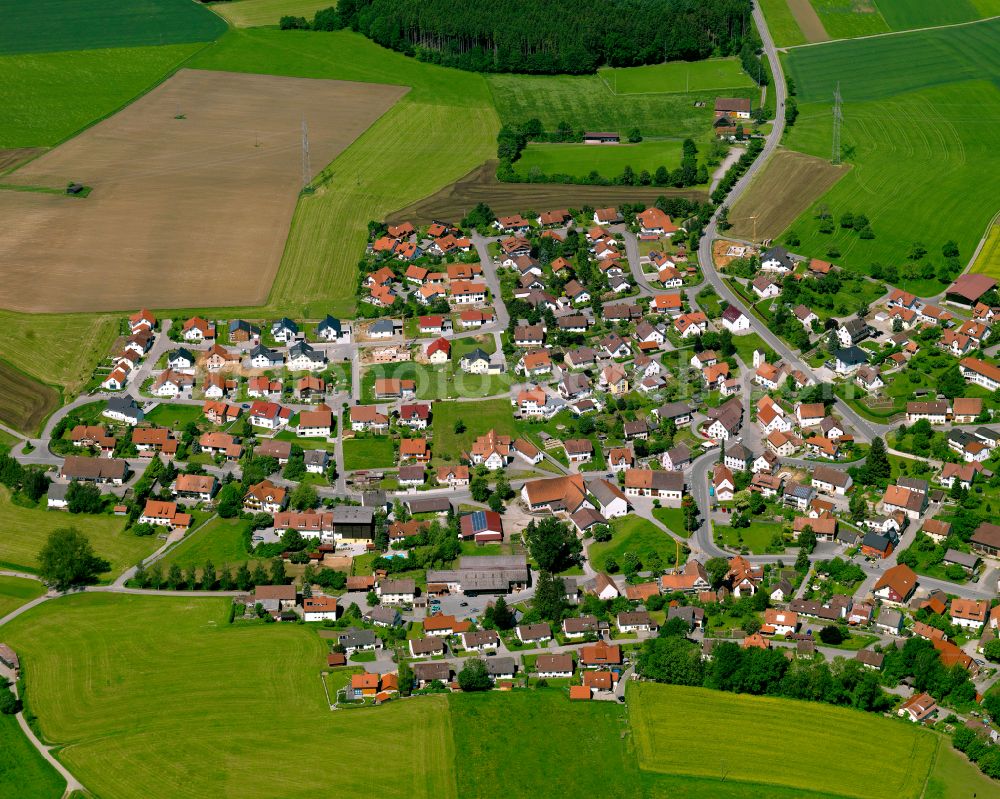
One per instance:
(838,118)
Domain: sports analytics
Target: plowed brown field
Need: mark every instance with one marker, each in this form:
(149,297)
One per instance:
(193,189)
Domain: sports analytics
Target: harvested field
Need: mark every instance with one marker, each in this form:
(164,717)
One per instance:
(194,186)
(10,159)
(24,402)
(787,186)
(255,13)
(808,20)
(481,185)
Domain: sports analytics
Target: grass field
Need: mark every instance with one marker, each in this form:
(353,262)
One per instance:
(844,19)
(633,534)
(255,13)
(48,97)
(368,453)
(586,101)
(781,22)
(25,402)
(175,415)
(678,76)
(757,537)
(55,25)
(16,591)
(436,382)
(101,684)
(661,716)
(447,111)
(220,541)
(673,518)
(23,772)
(902,15)
(478,417)
(581,159)
(933,148)
(988,260)
(23,532)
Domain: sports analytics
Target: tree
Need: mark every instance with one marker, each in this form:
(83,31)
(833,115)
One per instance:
(10,705)
(877,467)
(550,597)
(474,676)
(229,501)
(259,575)
(244,580)
(277,572)
(84,498)
(304,496)
(67,559)
(951,383)
(671,659)
(175,578)
(992,652)
(553,544)
(479,488)
(831,634)
(718,569)
(35,484)
(459,427)
(208,576)
(500,614)
(405,678)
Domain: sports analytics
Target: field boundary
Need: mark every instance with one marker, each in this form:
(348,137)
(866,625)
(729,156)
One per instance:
(892,33)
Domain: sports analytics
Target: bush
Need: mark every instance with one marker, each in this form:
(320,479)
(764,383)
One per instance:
(831,635)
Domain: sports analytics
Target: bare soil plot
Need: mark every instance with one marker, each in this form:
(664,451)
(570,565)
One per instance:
(809,21)
(481,185)
(18,155)
(194,186)
(788,185)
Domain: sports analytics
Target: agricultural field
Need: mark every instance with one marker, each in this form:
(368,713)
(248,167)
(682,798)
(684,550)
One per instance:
(219,540)
(588,102)
(478,417)
(57,25)
(808,20)
(844,19)
(16,591)
(988,260)
(660,717)
(901,15)
(48,97)
(220,151)
(23,532)
(609,162)
(23,772)
(101,687)
(446,111)
(481,185)
(781,22)
(934,148)
(25,402)
(257,13)
(633,534)
(789,183)
(678,76)
(369,453)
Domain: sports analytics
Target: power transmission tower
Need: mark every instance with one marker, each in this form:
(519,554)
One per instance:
(306,168)
(838,118)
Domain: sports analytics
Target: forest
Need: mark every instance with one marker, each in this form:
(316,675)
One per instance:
(558,36)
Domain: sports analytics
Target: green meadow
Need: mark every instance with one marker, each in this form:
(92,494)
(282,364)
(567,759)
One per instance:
(478,418)
(678,76)
(54,25)
(17,591)
(913,136)
(219,540)
(608,161)
(23,772)
(637,535)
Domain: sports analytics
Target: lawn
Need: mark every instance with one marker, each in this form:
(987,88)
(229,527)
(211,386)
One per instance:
(745,346)
(633,534)
(16,591)
(48,97)
(101,686)
(220,541)
(757,537)
(821,736)
(844,19)
(673,518)
(25,402)
(23,531)
(23,772)
(678,76)
(579,160)
(988,260)
(254,13)
(56,25)
(781,22)
(926,82)
(587,102)
(436,382)
(952,777)
(478,417)
(447,111)
(368,453)
(174,415)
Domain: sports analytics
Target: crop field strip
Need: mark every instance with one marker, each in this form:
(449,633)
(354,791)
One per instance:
(24,402)
(62,25)
(101,683)
(220,150)
(918,177)
(266,13)
(988,260)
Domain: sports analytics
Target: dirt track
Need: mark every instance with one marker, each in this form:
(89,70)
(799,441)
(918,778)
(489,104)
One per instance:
(481,185)
(184,212)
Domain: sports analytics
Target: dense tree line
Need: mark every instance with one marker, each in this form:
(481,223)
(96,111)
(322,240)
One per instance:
(559,36)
